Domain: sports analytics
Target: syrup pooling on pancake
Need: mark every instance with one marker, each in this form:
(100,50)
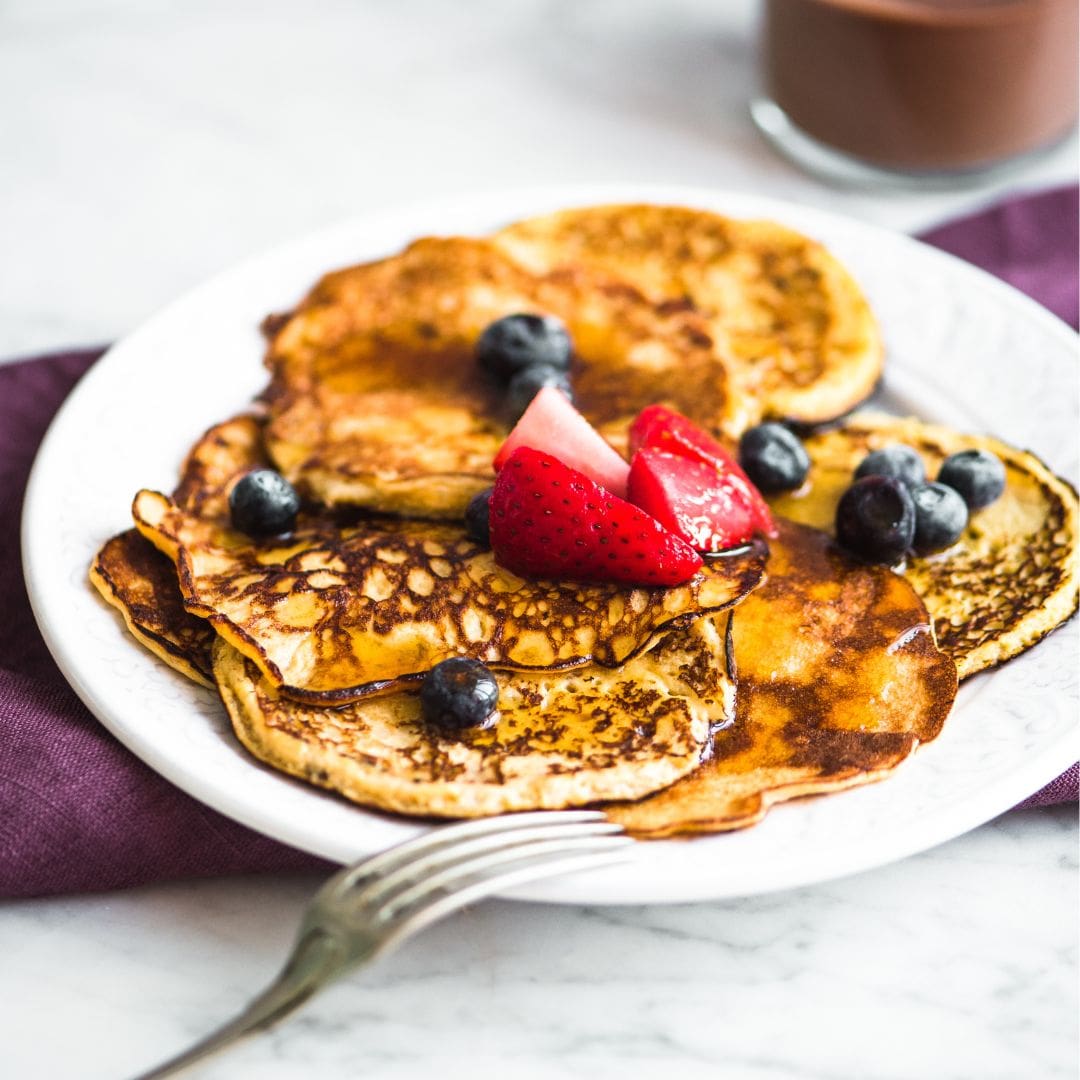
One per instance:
(796,330)
(376,399)
(1012,576)
(559,738)
(335,612)
(838,681)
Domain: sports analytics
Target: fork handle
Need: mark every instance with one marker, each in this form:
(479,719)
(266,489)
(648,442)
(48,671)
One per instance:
(317,958)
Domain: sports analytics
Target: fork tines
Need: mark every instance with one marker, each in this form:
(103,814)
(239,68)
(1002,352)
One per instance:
(418,881)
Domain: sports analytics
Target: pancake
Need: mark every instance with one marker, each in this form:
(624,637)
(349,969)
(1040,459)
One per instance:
(838,681)
(795,329)
(560,738)
(1012,576)
(318,641)
(813,668)
(140,582)
(336,612)
(376,400)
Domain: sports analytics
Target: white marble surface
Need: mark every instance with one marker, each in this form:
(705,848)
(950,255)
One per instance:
(147,145)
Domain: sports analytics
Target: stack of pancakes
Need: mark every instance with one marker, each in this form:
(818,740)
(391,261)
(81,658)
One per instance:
(773,673)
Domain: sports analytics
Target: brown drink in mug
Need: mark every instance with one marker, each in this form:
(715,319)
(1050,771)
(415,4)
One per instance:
(919,86)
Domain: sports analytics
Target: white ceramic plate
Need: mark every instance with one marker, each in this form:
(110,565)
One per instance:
(962,348)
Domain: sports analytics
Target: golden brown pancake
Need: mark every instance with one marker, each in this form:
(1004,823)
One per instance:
(795,328)
(140,582)
(336,612)
(213,464)
(814,661)
(376,400)
(332,614)
(838,681)
(1012,576)
(560,738)
(812,658)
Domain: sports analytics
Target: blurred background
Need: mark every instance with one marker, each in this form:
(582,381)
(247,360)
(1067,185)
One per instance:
(148,144)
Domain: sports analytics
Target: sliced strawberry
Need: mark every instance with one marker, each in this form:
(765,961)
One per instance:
(551,521)
(553,425)
(691,498)
(662,428)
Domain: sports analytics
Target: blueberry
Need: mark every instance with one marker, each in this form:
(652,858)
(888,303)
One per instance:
(263,503)
(515,342)
(773,457)
(458,694)
(527,383)
(978,475)
(875,519)
(477,518)
(900,462)
(941,515)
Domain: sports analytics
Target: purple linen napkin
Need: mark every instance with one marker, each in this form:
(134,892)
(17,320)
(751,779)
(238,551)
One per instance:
(1030,242)
(79,812)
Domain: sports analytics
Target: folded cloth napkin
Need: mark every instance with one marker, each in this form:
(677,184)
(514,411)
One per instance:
(1030,242)
(79,812)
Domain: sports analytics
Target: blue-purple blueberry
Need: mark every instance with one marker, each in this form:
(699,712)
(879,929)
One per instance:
(478,518)
(977,475)
(941,516)
(773,457)
(515,342)
(898,461)
(527,383)
(263,503)
(875,519)
(458,694)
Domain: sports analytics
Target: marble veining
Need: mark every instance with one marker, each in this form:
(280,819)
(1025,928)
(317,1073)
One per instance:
(957,963)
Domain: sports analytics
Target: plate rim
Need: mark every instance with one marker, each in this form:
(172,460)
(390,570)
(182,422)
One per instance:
(1033,774)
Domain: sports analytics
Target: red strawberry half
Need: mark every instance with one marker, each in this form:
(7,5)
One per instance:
(660,428)
(551,521)
(691,499)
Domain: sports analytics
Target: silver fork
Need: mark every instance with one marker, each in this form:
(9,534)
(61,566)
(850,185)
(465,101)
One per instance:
(367,909)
